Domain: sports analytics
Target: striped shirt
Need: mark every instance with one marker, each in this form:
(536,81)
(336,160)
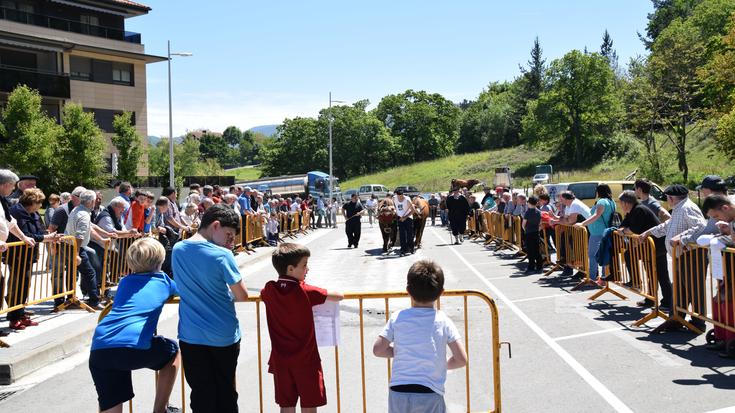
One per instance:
(685,217)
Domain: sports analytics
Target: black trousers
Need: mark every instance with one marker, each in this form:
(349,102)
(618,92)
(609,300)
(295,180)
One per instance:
(210,372)
(352,229)
(533,250)
(405,231)
(458,225)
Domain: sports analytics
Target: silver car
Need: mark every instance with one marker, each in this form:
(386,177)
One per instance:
(367,191)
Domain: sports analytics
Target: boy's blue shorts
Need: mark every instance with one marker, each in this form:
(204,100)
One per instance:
(111,367)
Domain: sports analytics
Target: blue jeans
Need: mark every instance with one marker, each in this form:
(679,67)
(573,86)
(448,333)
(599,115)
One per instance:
(88,277)
(592,247)
(443,217)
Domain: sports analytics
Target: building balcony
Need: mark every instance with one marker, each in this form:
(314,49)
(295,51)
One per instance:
(48,84)
(72,26)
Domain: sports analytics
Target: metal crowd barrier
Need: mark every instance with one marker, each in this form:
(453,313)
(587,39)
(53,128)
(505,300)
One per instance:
(633,267)
(34,275)
(493,345)
(517,233)
(691,290)
(114,264)
(571,250)
(500,231)
(305,217)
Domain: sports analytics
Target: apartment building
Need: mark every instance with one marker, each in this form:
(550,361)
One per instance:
(77,51)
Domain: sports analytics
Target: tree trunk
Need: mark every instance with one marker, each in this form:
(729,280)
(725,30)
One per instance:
(681,149)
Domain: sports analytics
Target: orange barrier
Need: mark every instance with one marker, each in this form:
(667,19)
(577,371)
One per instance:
(691,290)
(517,233)
(114,264)
(492,345)
(33,275)
(571,250)
(304,217)
(633,267)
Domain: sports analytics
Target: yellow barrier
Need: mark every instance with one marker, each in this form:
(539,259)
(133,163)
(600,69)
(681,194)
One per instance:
(690,287)
(114,264)
(517,234)
(633,267)
(305,220)
(494,346)
(472,226)
(33,275)
(571,250)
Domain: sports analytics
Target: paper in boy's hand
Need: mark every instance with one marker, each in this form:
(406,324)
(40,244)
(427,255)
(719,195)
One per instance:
(326,324)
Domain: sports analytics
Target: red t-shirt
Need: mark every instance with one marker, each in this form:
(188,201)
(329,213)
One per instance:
(288,305)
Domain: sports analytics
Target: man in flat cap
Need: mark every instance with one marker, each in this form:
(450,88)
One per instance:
(24,182)
(685,217)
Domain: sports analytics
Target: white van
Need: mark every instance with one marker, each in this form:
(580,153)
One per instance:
(366,191)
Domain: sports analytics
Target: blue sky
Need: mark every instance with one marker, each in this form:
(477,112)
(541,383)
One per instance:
(257,63)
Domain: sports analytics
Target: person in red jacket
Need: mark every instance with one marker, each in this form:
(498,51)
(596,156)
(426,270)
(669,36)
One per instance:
(294,360)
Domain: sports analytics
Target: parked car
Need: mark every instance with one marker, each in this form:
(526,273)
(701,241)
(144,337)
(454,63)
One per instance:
(587,191)
(541,179)
(408,190)
(346,195)
(366,191)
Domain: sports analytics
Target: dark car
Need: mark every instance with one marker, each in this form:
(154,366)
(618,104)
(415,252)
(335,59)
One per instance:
(408,190)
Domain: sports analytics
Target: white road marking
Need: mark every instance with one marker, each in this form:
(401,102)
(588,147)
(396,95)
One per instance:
(543,297)
(591,333)
(730,409)
(578,368)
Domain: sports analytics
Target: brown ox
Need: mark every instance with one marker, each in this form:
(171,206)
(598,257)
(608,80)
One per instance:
(464,183)
(387,223)
(419,219)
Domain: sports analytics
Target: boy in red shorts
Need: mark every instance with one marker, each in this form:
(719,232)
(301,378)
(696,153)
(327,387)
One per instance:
(294,361)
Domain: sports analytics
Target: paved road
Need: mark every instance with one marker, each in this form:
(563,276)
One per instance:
(569,354)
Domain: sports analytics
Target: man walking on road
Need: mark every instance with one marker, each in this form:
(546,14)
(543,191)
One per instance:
(352,211)
(459,209)
(404,214)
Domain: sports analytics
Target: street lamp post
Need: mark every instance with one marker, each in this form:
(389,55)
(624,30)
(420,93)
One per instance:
(170,118)
(331,120)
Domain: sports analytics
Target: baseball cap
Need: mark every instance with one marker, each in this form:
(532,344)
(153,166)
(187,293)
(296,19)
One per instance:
(713,182)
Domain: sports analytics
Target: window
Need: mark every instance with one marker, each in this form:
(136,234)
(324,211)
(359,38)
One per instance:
(104,118)
(89,20)
(101,71)
(122,73)
(81,68)
(584,191)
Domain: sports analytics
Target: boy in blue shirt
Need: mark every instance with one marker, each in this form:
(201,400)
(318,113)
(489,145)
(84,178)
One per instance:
(209,283)
(123,341)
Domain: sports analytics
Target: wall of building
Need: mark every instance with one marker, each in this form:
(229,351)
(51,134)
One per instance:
(116,97)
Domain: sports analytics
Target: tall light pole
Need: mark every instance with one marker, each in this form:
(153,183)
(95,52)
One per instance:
(331,120)
(170,118)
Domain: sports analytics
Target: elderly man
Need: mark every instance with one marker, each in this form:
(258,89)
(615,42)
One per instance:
(24,182)
(110,225)
(172,216)
(80,227)
(245,202)
(685,217)
(125,192)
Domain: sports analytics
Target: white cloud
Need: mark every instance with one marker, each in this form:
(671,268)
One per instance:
(218,110)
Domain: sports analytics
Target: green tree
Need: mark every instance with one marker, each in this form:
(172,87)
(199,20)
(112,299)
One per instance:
(301,147)
(232,135)
(129,146)
(665,12)
(426,125)
(28,137)
(213,146)
(187,160)
(608,52)
(362,144)
(525,88)
(676,57)
(580,107)
(488,122)
(81,150)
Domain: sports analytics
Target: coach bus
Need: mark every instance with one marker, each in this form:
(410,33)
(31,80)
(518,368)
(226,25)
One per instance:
(314,183)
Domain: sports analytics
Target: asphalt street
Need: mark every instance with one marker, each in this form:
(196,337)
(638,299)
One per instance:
(569,354)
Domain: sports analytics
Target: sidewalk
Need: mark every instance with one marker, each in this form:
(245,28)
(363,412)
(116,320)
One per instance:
(61,335)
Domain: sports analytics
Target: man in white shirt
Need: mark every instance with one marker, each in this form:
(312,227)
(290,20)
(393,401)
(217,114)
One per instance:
(574,211)
(404,214)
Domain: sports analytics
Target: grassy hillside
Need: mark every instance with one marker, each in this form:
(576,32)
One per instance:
(244,173)
(703,158)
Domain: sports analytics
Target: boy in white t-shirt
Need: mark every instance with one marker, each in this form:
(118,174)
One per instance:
(420,336)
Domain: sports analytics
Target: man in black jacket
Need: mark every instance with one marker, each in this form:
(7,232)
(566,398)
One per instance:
(459,209)
(352,211)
